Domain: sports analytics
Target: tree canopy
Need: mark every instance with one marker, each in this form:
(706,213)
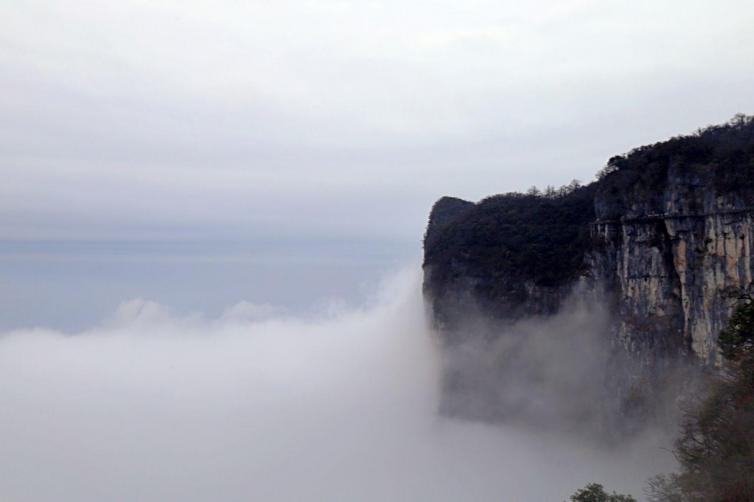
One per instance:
(595,492)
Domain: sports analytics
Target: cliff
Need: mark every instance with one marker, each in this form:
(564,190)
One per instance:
(663,238)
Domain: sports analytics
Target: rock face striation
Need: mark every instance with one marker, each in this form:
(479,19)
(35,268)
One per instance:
(664,237)
(676,265)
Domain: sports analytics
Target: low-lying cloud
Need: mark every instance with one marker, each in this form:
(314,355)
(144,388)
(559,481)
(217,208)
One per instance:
(550,371)
(253,405)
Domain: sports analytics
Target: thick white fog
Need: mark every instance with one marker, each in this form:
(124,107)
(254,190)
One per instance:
(151,406)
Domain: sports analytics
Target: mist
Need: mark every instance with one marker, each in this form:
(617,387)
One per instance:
(253,405)
(550,372)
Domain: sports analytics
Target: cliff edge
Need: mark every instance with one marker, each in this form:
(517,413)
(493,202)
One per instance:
(664,238)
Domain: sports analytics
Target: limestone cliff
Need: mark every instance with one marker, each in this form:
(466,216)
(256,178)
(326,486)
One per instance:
(676,268)
(664,236)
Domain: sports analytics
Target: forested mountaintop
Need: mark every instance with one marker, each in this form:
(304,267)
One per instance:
(662,241)
(543,236)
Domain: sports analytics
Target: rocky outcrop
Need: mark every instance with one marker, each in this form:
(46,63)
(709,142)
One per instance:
(676,268)
(664,237)
(507,257)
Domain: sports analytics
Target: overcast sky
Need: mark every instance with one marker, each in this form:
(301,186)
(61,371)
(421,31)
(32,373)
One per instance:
(337,119)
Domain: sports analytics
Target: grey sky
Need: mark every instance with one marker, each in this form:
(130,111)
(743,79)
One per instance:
(336,118)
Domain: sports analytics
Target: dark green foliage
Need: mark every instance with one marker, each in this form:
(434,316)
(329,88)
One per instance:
(595,492)
(737,338)
(444,212)
(716,445)
(498,248)
(516,237)
(723,154)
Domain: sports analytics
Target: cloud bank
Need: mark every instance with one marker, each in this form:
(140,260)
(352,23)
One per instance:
(151,406)
(348,117)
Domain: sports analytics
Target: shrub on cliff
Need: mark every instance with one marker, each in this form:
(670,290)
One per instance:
(595,492)
(737,339)
(716,445)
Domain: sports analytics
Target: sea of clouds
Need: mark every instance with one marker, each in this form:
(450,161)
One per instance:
(255,405)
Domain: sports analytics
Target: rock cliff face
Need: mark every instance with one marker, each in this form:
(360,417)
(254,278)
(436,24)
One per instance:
(664,237)
(678,267)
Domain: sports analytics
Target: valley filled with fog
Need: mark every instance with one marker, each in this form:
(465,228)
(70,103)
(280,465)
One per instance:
(251,404)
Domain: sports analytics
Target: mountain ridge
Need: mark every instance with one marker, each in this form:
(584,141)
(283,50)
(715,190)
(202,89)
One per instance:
(663,237)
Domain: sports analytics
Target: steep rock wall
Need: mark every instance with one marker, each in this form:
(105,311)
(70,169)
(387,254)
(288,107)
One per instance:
(676,268)
(664,239)
(677,277)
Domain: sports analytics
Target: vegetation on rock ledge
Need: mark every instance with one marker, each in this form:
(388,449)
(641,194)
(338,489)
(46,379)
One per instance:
(716,445)
(505,244)
(512,239)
